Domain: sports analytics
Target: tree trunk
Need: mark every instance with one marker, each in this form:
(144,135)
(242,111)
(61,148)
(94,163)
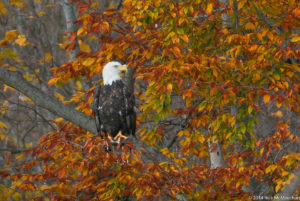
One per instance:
(70,16)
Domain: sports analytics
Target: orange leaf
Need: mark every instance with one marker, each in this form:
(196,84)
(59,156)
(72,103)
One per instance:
(266,98)
(169,87)
(185,38)
(209,8)
(105,26)
(53,81)
(61,173)
(11,35)
(177,51)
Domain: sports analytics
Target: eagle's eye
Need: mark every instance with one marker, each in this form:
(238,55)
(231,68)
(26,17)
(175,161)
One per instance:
(116,66)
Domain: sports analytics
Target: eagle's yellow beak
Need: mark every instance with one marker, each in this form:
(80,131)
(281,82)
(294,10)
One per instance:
(123,68)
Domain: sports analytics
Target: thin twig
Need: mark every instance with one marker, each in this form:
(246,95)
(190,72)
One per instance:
(14,151)
(264,17)
(130,33)
(182,125)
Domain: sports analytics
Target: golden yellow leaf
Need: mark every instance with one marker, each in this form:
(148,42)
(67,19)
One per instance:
(11,35)
(277,114)
(3,125)
(79,86)
(286,84)
(201,106)
(171,34)
(28,77)
(270,35)
(12,68)
(21,156)
(169,87)
(17,3)
(89,61)
(250,109)
(209,8)
(53,81)
(185,38)
(59,96)
(296,39)
(28,99)
(80,31)
(93,38)
(201,138)
(278,186)
(84,47)
(285,173)
(241,4)
(17,196)
(28,145)
(44,187)
(21,40)
(225,31)
(95,4)
(238,184)
(2,136)
(278,104)
(249,26)
(228,135)
(270,169)
(59,120)
(3,10)
(48,57)
(49,6)
(41,13)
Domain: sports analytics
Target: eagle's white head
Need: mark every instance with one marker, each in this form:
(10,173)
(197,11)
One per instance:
(111,72)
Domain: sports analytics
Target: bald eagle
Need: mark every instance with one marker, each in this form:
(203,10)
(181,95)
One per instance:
(114,104)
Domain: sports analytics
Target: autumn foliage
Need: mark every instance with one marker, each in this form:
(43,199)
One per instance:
(205,72)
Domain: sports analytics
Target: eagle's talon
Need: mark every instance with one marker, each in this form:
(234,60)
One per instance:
(119,137)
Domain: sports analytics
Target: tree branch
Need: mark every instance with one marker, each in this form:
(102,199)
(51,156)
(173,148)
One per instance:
(182,125)
(15,79)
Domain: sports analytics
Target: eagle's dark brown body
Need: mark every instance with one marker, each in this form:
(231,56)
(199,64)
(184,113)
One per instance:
(114,109)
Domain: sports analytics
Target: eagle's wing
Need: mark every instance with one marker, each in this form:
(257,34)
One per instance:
(130,112)
(96,109)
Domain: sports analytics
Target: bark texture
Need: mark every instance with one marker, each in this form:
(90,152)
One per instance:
(15,79)
(70,16)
